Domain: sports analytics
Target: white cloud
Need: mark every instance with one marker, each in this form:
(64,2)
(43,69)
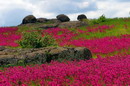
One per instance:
(83,4)
(18,9)
(114,9)
(109,8)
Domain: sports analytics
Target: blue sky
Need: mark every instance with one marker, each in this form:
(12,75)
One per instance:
(13,11)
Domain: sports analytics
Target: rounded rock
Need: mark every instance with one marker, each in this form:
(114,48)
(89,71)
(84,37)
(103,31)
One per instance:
(29,19)
(63,18)
(81,17)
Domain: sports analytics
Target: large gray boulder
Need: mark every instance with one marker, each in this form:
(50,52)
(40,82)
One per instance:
(63,18)
(29,19)
(43,55)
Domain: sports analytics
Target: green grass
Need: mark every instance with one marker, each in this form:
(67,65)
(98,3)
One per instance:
(118,30)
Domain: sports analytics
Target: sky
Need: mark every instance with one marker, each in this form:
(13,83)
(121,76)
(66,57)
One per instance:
(12,12)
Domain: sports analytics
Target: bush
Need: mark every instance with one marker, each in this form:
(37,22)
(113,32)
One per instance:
(48,41)
(102,18)
(35,40)
(95,21)
(99,20)
(87,21)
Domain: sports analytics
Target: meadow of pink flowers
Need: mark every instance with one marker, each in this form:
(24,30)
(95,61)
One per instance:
(99,45)
(8,36)
(108,71)
(104,45)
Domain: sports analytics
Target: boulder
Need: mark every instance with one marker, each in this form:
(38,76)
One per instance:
(42,20)
(29,19)
(72,24)
(63,18)
(43,55)
(81,17)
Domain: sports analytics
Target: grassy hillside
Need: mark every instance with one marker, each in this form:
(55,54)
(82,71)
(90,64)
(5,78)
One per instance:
(107,39)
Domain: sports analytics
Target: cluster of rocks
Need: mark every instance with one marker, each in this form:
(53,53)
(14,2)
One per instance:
(42,55)
(62,21)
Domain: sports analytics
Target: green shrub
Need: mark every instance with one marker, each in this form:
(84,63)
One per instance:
(99,20)
(35,40)
(95,21)
(102,18)
(87,21)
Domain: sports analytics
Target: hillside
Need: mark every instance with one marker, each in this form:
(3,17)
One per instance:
(107,39)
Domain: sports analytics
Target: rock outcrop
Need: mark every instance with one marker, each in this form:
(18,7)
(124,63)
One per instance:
(56,21)
(2,48)
(81,17)
(46,26)
(62,21)
(42,55)
(63,18)
(72,24)
(42,20)
(29,19)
